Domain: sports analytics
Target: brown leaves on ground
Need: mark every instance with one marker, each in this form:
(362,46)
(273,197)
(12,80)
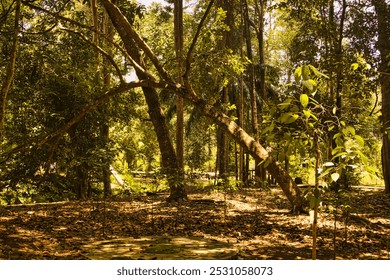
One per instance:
(256,223)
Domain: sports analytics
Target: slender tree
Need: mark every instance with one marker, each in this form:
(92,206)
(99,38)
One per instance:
(179,40)
(240,99)
(108,31)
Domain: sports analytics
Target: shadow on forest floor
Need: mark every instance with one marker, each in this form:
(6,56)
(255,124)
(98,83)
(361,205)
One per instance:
(246,224)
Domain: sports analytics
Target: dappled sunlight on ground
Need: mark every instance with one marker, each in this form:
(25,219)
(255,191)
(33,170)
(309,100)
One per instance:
(245,224)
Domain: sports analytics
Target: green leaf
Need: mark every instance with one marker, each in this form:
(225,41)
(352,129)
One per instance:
(337,135)
(311,85)
(317,73)
(363,158)
(337,149)
(313,116)
(339,155)
(288,118)
(304,98)
(359,140)
(335,176)
(351,130)
(285,104)
(305,72)
(307,113)
(317,193)
(298,74)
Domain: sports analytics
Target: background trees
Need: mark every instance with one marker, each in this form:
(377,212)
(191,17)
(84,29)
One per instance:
(318,71)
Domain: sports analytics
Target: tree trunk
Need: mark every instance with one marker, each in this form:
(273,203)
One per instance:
(105,129)
(106,172)
(240,102)
(339,59)
(254,148)
(10,70)
(170,166)
(227,42)
(383,18)
(223,145)
(179,33)
(252,78)
(81,182)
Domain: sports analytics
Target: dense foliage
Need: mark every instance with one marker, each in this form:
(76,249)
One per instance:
(301,76)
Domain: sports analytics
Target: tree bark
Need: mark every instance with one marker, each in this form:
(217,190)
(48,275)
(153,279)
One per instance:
(170,166)
(179,34)
(240,99)
(10,70)
(383,18)
(227,42)
(95,22)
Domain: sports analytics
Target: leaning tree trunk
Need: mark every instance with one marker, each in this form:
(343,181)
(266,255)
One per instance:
(383,17)
(254,148)
(170,164)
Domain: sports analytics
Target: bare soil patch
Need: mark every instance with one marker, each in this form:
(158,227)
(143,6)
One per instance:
(246,224)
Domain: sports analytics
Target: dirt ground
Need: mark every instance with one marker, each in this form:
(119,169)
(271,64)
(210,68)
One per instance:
(246,224)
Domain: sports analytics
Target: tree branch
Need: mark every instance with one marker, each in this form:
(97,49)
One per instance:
(195,39)
(126,31)
(87,109)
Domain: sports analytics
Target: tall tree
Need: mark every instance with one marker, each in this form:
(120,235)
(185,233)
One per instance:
(252,81)
(227,43)
(382,8)
(108,31)
(179,41)
(240,99)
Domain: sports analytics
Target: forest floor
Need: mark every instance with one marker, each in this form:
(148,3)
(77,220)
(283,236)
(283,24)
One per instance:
(245,224)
